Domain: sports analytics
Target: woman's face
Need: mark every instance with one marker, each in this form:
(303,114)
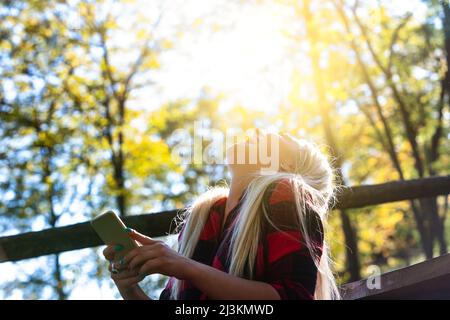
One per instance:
(263,153)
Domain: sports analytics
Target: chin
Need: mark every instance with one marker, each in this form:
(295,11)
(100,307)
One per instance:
(231,159)
(229,156)
(232,151)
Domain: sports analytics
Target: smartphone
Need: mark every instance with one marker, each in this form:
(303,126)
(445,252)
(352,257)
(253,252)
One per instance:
(111,230)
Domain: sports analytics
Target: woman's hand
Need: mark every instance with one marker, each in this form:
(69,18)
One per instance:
(125,280)
(156,257)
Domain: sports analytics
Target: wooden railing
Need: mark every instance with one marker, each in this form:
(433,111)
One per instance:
(426,280)
(78,236)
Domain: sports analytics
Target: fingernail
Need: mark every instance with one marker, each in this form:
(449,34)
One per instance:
(118,247)
(129,230)
(122,261)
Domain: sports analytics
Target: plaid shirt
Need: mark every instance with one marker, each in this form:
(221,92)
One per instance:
(282,260)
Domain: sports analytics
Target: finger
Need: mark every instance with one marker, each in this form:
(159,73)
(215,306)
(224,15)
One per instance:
(110,267)
(139,237)
(138,260)
(129,281)
(137,251)
(124,275)
(150,267)
(130,255)
(118,266)
(109,252)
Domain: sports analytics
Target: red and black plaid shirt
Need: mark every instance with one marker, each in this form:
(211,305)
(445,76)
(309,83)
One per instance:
(283,260)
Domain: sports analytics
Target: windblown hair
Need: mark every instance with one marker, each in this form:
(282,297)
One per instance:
(312,184)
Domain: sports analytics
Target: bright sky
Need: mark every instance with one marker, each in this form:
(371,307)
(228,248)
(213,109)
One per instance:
(245,60)
(234,49)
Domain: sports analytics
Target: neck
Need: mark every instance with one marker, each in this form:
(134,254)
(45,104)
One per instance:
(237,187)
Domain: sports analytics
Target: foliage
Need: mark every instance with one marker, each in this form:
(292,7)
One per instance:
(78,132)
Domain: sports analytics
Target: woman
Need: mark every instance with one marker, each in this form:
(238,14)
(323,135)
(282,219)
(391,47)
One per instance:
(262,238)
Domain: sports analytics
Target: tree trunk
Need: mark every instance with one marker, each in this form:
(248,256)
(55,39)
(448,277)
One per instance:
(424,230)
(429,224)
(59,283)
(351,256)
(351,243)
(120,163)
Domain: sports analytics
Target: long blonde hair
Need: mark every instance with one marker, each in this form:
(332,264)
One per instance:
(312,185)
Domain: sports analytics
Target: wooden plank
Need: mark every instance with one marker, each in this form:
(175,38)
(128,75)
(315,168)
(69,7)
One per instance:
(367,195)
(426,280)
(79,236)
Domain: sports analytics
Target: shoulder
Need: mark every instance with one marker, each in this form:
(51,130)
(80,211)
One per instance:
(215,207)
(219,204)
(279,191)
(280,205)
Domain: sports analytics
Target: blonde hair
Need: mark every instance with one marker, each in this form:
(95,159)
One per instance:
(312,185)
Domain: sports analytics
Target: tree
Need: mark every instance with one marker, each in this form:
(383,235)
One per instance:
(86,122)
(414,103)
(36,128)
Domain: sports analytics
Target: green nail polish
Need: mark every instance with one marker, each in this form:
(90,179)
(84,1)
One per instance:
(128,230)
(122,261)
(118,247)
